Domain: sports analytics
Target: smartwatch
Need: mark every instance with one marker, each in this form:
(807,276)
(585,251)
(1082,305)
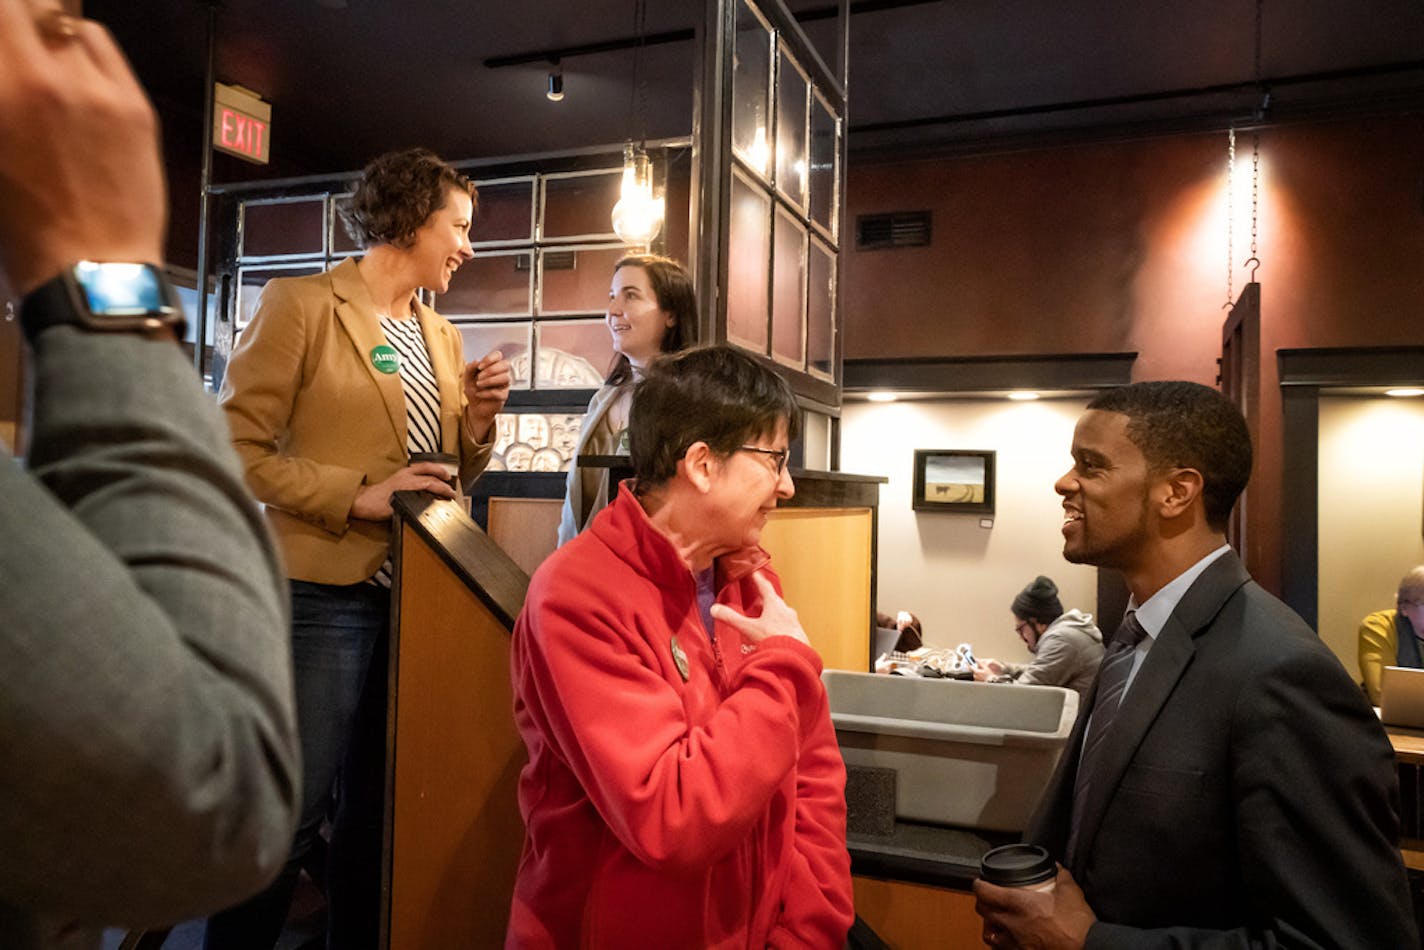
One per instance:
(104,297)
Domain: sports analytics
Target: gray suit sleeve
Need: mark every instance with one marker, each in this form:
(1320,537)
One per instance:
(149,766)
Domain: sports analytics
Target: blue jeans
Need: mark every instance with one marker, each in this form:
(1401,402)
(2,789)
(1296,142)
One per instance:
(340,646)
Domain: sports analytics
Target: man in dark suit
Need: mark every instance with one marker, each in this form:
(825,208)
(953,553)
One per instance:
(1226,785)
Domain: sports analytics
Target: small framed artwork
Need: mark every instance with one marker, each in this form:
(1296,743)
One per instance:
(959,480)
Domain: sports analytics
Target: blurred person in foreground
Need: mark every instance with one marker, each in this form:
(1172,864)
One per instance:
(1067,646)
(651,310)
(338,381)
(148,755)
(1226,784)
(1393,637)
(684,786)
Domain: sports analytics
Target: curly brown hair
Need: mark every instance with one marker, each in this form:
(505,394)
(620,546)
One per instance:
(397,193)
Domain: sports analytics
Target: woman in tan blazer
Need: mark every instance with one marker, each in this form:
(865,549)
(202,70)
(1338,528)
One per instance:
(338,380)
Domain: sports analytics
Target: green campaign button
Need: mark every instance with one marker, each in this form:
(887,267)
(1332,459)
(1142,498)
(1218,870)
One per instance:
(386,359)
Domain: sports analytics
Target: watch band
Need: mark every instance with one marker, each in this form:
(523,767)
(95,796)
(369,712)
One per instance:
(61,301)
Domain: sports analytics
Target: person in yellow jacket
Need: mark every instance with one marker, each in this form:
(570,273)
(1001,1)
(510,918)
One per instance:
(1392,637)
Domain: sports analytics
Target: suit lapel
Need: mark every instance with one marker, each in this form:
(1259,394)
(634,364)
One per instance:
(357,314)
(1166,661)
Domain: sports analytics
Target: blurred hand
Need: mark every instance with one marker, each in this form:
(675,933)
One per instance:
(373,502)
(777,618)
(983,670)
(486,383)
(1034,920)
(80,177)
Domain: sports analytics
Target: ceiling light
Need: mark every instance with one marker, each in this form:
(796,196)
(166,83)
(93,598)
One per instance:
(1404,393)
(1023,395)
(881,396)
(556,83)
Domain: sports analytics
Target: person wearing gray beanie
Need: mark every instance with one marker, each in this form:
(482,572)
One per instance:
(1067,646)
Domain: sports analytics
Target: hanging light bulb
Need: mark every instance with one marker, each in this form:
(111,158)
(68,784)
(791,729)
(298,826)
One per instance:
(638,215)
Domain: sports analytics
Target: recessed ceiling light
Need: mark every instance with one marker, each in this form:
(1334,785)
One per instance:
(881,396)
(1023,395)
(1404,392)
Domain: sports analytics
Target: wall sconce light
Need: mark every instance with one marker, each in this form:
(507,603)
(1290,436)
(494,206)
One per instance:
(556,83)
(1023,395)
(881,395)
(1408,393)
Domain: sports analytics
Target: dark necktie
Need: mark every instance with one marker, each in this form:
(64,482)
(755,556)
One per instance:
(1112,683)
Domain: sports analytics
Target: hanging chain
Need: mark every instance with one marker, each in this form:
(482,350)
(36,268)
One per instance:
(638,91)
(1255,186)
(1230,212)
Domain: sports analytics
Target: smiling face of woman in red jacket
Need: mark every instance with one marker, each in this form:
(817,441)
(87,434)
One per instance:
(748,484)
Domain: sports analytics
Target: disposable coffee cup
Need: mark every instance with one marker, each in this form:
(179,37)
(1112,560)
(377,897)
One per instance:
(451,463)
(1019,865)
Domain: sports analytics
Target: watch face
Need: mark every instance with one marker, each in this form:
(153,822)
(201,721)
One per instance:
(117,290)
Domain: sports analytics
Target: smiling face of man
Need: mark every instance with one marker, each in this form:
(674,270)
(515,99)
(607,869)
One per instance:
(1106,494)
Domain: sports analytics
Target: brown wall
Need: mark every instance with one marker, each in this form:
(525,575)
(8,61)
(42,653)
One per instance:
(1122,247)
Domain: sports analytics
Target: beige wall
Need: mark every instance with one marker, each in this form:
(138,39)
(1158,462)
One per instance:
(958,577)
(1371,496)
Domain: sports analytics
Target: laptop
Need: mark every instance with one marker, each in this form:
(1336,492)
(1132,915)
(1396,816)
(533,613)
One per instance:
(1402,697)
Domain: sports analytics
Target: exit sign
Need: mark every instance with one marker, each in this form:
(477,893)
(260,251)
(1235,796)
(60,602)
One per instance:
(242,123)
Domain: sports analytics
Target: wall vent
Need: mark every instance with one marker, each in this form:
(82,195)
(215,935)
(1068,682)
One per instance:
(553,260)
(874,232)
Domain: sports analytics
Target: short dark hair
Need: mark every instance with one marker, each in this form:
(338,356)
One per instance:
(1177,424)
(713,394)
(397,193)
(672,292)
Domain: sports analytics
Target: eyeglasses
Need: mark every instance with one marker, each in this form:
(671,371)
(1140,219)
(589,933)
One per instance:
(1018,627)
(781,455)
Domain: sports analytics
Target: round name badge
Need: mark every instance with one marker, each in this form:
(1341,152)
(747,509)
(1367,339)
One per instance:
(386,359)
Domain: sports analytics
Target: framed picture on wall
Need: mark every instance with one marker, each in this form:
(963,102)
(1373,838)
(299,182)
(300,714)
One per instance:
(955,480)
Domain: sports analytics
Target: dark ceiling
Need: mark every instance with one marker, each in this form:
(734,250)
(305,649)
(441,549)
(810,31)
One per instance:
(348,79)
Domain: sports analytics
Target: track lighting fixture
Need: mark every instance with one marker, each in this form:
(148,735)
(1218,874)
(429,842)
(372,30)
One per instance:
(556,83)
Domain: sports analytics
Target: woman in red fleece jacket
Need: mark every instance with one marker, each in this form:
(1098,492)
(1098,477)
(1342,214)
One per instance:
(684,786)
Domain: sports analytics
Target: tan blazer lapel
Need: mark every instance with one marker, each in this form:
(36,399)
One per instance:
(442,343)
(357,315)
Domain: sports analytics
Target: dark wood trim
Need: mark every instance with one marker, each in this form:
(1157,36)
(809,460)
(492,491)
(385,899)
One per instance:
(1305,375)
(1300,478)
(971,374)
(469,552)
(1351,366)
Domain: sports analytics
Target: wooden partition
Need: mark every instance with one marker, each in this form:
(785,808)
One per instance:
(824,559)
(453,830)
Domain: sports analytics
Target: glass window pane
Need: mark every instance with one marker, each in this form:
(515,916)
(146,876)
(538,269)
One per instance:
(821,310)
(576,280)
(791,94)
(748,259)
(581,205)
(573,354)
(491,284)
(251,280)
(825,155)
(788,290)
(285,227)
(342,244)
(751,79)
(506,212)
(511,339)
